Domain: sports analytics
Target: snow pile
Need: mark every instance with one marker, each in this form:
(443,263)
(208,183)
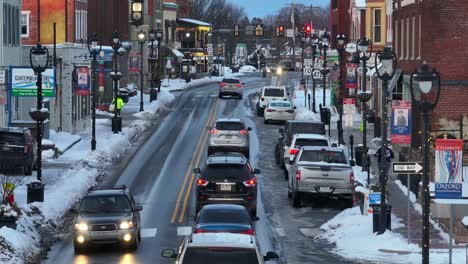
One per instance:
(303,113)
(63,140)
(164,97)
(248,68)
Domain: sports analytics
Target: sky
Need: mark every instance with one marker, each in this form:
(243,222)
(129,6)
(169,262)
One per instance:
(261,8)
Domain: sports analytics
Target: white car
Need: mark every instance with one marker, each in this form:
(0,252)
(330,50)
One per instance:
(219,248)
(278,111)
(268,94)
(304,140)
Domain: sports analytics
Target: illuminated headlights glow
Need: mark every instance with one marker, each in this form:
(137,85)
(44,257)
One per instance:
(80,239)
(279,71)
(81,227)
(126,225)
(127,237)
(268,70)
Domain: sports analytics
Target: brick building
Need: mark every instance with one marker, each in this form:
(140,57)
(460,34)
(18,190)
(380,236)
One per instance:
(107,16)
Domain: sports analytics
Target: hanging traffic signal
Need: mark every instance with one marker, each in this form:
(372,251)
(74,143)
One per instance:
(308,30)
(236,30)
(280,31)
(259,31)
(136,14)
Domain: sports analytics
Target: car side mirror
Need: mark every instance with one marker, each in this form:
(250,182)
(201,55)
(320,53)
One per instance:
(255,218)
(219,81)
(196,170)
(256,171)
(289,94)
(271,256)
(243,83)
(73,211)
(208,128)
(249,129)
(352,163)
(295,107)
(169,253)
(138,208)
(281,131)
(334,145)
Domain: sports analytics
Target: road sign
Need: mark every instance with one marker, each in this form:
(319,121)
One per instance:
(317,74)
(407,167)
(290,33)
(374,198)
(2,76)
(448,190)
(210,51)
(178,45)
(308,62)
(308,71)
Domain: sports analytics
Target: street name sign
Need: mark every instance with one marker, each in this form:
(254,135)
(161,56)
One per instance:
(448,190)
(407,167)
(374,198)
(308,71)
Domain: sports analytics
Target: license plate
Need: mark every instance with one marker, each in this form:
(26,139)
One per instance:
(228,137)
(225,187)
(325,189)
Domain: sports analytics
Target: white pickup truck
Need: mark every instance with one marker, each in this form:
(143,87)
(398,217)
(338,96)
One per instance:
(320,171)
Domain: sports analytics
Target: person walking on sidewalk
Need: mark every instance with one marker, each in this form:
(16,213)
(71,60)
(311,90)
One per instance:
(388,156)
(120,104)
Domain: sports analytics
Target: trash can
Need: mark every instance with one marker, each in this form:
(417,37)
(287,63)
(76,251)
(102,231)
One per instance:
(376,217)
(117,124)
(358,151)
(324,115)
(35,192)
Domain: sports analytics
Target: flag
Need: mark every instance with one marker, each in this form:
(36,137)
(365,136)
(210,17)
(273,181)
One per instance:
(334,73)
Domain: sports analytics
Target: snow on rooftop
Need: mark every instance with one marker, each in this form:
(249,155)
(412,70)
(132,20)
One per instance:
(194,21)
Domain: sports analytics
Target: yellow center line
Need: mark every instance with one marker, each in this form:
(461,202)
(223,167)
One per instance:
(187,174)
(189,190)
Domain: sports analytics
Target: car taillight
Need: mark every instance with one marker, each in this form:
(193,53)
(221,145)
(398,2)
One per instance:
(202,183)
(243,132)
(238,85)
(222,84)
(250,183)
(351,178)
(290,111)
(262,99)
(298,175)
(26,148)
(270,110)
(213,131)
(246,232)
(293,151)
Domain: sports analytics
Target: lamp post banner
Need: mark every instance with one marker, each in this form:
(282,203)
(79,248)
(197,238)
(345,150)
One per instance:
(134,62)
(83,81)
(351,76)
(448,163)
(23,82)
(401,122)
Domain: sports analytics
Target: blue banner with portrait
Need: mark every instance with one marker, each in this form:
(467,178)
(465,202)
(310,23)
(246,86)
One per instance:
(401,122)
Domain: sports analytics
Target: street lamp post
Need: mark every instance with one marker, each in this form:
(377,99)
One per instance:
(159,38)
(325,45)
(116,76)
(141,40)
(151,61)
(39,60)
(388,59)
(341,40)
(94,48)
(314,43)
(364,96)
(425,78)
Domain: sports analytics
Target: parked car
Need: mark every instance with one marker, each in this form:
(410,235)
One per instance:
(230,86)
(219,248)
(320,171)
(268,94)
(227,178)
(17,149)
(229,218)
(278,111)
(292,127)
(107,214)
(229,134)
(303,140)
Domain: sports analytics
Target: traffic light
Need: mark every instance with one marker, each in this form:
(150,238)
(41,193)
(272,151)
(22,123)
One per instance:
(236,30)
(259,31)
(136,15)
(280,31)
(308,29)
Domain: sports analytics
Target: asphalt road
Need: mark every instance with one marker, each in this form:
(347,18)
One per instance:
(160,176)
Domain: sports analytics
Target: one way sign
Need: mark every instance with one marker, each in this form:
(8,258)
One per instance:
(407,167)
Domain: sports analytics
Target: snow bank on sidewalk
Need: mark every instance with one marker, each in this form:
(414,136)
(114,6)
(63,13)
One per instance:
(351,233)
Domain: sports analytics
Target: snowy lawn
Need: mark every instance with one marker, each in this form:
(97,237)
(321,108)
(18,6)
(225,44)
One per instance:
(63,188)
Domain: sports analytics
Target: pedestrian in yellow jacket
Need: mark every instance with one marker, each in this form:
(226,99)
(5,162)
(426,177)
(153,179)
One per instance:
(119,106)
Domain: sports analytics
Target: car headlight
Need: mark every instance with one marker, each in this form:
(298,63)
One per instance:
(126,225)
(81,227)
(279,71)
(268,70)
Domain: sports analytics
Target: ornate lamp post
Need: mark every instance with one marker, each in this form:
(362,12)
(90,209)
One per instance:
(39,60)
(151,62)
(94,48)
(314,43)
(341,40)
(325,45)
(425,78)
(159,73)
(388,59)
(141,41)
(364,55)
(116,76)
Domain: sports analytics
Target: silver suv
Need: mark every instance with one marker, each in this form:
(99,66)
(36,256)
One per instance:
(230,86)
(229,135)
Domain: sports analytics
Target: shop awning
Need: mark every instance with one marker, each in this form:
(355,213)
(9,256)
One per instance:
(177,53)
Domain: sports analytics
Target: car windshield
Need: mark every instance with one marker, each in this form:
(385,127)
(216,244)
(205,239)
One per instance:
(231,81)
(272,65)
(228,125)
(323,156)
(214,172)
(223,216)
(105,204)
(302,142)
(220,255)
(280,104)
(308,128)
(273,92)
(15,138)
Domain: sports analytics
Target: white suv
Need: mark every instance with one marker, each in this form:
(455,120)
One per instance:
(219,248)
(268,94)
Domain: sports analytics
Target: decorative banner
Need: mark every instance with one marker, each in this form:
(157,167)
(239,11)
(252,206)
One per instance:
(401,122)
(448,163)
(23,82)
(349,110)
(134,64)
(83,81)
(351,76)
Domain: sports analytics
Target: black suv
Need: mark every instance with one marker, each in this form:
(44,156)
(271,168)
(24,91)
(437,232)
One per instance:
(17,149)
(295,127)
(107,214)
(227,178)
